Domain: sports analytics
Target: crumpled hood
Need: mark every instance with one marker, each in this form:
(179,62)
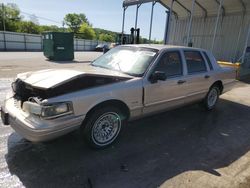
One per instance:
(53,77)
(47,78)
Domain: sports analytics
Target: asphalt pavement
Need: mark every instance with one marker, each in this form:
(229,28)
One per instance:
(12,63)
(186,147)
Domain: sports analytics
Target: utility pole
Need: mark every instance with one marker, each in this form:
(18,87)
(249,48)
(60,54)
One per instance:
(63,23)
(3,16)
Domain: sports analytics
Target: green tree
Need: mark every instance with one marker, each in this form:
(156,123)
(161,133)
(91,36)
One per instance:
(87,32)
(106,37)
(74,21)
(44,28)
(99,31)
(28,27)
(10,13)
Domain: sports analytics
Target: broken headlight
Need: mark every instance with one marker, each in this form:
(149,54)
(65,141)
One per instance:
(56,110)
(48,111)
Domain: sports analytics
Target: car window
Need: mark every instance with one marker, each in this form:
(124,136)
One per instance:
(208,61)
(195,62)
(170,63)
(127,59)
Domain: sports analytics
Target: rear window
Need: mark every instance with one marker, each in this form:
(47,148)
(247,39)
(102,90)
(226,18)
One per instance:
(195,62)
(208,61)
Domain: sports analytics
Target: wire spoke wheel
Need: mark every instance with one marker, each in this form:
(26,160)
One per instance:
(106,128)
(212,97)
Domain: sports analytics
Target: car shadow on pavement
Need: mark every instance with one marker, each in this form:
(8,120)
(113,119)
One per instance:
(149,151)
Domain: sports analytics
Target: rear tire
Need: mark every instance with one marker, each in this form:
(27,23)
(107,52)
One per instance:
(103,126)
(211,98)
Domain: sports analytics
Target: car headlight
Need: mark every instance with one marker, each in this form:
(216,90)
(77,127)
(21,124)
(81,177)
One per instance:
(56,110)
(48,111)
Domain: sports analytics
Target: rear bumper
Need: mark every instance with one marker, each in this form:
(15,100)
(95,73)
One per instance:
(36,129)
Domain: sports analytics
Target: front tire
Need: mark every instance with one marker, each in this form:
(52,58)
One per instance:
(103,126)
(212,97)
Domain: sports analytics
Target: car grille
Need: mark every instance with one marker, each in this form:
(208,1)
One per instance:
(17,103)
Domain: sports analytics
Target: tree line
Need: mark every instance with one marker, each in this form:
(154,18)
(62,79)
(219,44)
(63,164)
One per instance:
(11,20)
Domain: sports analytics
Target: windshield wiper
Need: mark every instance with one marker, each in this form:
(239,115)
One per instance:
(119,66)
(98,66)
(132,74)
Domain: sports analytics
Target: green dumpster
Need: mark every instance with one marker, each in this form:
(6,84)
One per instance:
(58,46)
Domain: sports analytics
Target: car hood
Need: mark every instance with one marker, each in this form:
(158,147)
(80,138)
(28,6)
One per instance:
(51,78)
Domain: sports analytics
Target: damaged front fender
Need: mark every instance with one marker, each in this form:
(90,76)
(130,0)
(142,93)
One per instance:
(25,91)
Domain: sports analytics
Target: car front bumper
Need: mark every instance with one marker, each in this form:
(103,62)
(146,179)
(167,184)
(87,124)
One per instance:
(34,128)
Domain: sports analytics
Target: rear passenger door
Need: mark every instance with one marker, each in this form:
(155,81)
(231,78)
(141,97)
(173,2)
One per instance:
(198,78)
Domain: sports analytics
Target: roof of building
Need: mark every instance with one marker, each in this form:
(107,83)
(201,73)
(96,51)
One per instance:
(182,8)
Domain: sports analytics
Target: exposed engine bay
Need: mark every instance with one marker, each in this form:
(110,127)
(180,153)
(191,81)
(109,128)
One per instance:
(26,92)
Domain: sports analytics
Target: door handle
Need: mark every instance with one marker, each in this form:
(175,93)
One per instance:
(181,81)
(206,76)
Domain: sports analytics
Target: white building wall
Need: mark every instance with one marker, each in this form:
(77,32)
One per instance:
(225,47)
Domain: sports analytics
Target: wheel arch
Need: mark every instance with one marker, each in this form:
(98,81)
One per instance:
(112,102)
(219,84)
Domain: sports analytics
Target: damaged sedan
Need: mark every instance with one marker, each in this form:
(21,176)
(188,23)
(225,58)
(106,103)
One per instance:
(126,83)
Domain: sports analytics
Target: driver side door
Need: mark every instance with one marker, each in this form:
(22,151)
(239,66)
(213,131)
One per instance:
(161,95)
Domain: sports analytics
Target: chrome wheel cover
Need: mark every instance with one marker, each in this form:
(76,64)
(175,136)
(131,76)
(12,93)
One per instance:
(212,97)
(106,128)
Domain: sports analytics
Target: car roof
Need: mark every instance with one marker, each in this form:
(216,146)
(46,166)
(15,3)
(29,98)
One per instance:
(161,46)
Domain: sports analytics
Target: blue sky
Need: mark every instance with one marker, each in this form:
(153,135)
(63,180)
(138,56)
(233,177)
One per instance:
(106,14)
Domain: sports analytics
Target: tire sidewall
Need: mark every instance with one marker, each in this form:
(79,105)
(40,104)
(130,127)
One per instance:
(87,128)
(208,107)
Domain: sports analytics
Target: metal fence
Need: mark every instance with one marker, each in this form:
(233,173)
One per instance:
(12,41)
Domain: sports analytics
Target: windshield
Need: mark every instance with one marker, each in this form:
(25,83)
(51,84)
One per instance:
(130,60)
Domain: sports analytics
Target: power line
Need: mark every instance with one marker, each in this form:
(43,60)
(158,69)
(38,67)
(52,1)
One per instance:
(42,18)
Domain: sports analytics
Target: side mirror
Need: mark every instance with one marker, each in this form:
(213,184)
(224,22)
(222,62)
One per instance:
(158,75)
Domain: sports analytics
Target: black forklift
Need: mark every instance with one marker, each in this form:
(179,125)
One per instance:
(132,38)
